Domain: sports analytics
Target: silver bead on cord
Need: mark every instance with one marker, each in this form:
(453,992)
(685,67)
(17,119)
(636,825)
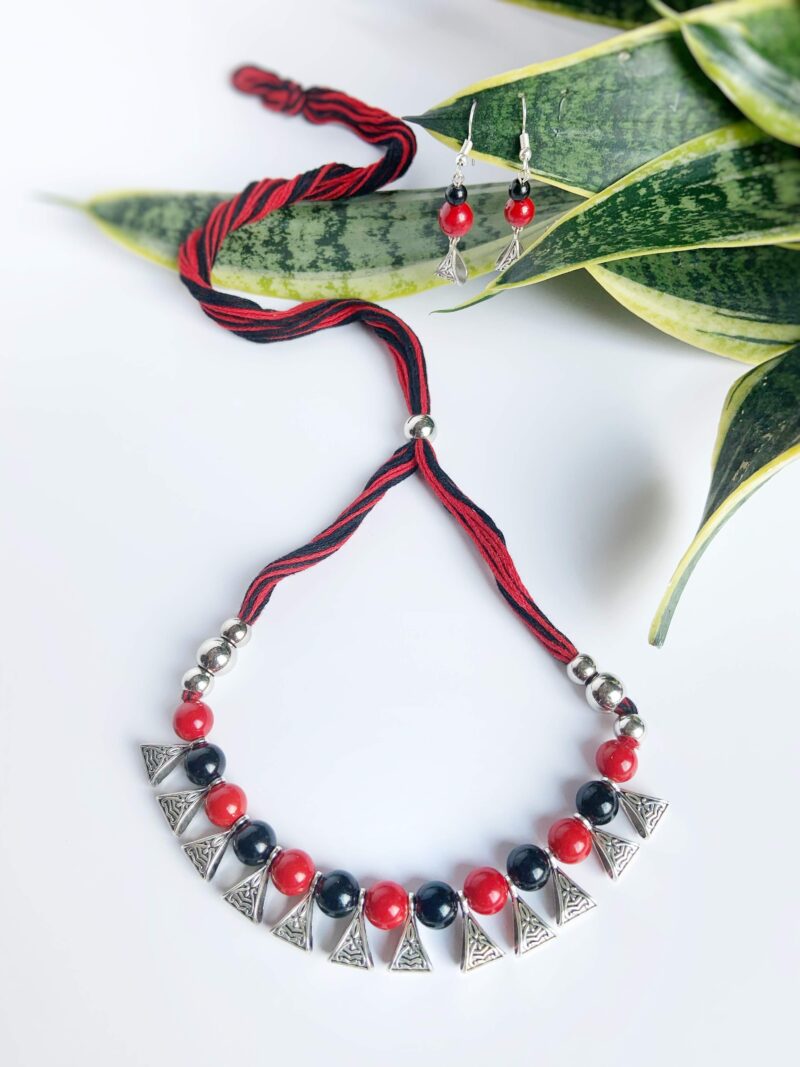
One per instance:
(419,426)
(215,656)
(632,726)
(581,669)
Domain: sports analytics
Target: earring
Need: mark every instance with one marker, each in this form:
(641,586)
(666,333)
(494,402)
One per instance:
(519,209)
(455,214)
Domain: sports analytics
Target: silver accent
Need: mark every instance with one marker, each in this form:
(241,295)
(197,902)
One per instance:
(410,954)
(206,852)
(605,692)
(524,140)
(159,760)
(235,632)
(630,726)
(453,268)
(248,895)
(181,807)
(571,900)
(419,426)
(582,669)
(296,925)
(615,852)
(582,819)
(644,813)
(477,948)
(511,252)
(530,931)
(216,655)
(197,682)
(353,948)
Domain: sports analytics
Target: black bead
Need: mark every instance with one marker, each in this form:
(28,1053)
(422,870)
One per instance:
(204,764)
(519,190)
(456,194)
(337,893)
(436,904)
(598,802)
(254,842)
(528,867)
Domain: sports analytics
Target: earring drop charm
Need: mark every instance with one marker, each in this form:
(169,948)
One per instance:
(455,214)
(519,209)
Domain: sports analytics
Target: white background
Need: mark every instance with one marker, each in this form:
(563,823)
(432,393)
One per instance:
(390,715)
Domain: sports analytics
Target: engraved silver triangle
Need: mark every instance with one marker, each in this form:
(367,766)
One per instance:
(615,852)
(353,948)
(571,900)
(530,931)
(453,268)
(159,760)
(248,895)
(296,926)
(206,852)
(181,807)
(510,253)
(477,948)
(410,954)
(644,813)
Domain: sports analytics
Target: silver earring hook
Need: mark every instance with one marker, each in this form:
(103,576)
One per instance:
(524,140)
(466,147)
(524,112)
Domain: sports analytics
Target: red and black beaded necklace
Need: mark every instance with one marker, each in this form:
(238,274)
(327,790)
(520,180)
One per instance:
(385,904)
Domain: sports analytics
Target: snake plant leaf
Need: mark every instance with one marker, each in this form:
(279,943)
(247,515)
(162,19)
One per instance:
(375,247)
(752,52)
(759,433)
(593,116)
(743,303)
(623,13)
(736,186)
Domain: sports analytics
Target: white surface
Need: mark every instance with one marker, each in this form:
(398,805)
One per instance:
(390,715)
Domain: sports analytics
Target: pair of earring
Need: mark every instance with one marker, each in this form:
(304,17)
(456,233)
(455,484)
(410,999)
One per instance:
(456,217)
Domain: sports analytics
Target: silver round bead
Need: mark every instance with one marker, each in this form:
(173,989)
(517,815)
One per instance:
(197,682)
(630,726)
(581,669)
(216,655)
(604,692)
(235,632)
(420,426)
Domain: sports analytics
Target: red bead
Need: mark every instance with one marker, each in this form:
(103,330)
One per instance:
(519,213)
(569,840)
(192,720)
(386,905)
(486,890)
(455,219)
(292,872)
(225,803)
(617,759)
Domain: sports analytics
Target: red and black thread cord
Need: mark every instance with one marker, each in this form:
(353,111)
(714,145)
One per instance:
(249,320)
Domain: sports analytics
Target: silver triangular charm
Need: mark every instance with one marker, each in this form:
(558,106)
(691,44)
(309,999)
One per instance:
(353,948)
(248,895)
(453,268)
(180,808)
(644,812)
(510,253)
(410,954)
(206,853)
(295,926)
(571,900)
(159,760)
(529,930)
(477,948)
(615,852)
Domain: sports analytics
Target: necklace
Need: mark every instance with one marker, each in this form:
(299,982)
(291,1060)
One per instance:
(385,904)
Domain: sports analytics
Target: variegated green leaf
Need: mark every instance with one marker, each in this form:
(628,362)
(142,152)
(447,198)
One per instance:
(375,247)
(759,434)
(743,303)
(609,12)
(732,187)
(751,50)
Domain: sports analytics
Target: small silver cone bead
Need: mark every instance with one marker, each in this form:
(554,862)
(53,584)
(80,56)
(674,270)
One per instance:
(605,692)
(197,682)
(235,632)
(630,726)
(216,655)
(581,669)
(419,426)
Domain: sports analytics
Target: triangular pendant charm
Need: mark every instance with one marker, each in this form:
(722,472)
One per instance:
(477,948)
(529,930)
(248,895)
(180,808)
(353,948)
(159,760)
(206,853)
(295,926)
(571,900)
(645,813)
(615,852)
(453,268)
(410,954)
(510,253)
